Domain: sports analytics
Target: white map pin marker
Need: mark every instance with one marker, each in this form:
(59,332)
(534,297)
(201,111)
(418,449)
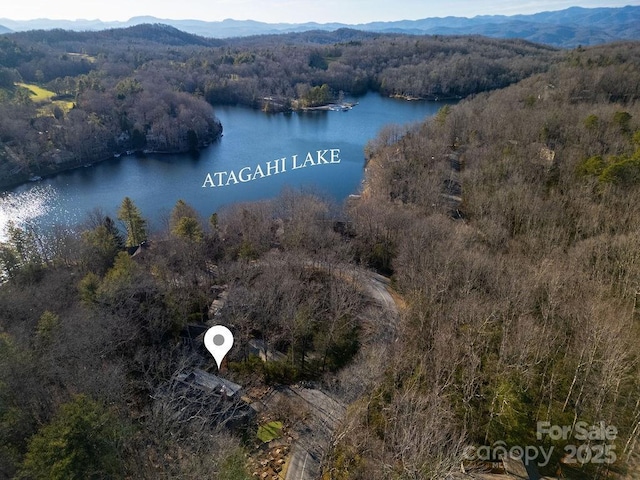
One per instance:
(218,340)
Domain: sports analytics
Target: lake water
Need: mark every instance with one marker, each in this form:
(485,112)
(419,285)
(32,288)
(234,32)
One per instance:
(251,138)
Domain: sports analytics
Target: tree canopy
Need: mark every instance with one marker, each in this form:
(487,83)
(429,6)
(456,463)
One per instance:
(134,223)
(81,442)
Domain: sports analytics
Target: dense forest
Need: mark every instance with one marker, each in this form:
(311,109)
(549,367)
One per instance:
(506,223)
(509,223)
(72,98)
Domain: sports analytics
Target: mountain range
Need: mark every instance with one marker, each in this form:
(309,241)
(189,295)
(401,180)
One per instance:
(563,28)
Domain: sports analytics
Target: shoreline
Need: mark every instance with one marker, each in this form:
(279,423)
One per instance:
(429,98)
(20,180)
(281,105)
(26,179)
(329,107)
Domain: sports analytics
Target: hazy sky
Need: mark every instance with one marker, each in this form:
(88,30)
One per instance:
(290,11)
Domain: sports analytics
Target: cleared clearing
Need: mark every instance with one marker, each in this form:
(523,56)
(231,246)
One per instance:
(43,97)
(38,93)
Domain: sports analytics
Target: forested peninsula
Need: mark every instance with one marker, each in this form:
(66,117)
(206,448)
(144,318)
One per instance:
(73,98)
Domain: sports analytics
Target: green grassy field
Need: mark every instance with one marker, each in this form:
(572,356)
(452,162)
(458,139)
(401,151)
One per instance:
(269,431)
(38,94)
(42,96)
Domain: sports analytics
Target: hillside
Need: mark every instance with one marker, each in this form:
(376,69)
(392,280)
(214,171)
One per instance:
(138,34)
(566,28)
(509,223)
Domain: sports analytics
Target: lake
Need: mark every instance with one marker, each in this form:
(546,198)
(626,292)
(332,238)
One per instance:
(251,139)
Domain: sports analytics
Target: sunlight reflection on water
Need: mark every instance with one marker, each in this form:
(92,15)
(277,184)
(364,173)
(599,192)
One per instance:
(23,207)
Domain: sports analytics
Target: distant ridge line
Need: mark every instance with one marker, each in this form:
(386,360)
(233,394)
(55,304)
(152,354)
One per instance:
(566,28)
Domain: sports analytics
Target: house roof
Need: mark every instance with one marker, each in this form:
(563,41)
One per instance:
(209,382)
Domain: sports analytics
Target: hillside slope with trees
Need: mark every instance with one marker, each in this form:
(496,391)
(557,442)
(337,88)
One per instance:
(509,223)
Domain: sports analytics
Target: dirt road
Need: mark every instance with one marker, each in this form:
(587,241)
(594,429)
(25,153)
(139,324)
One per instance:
(324,412)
